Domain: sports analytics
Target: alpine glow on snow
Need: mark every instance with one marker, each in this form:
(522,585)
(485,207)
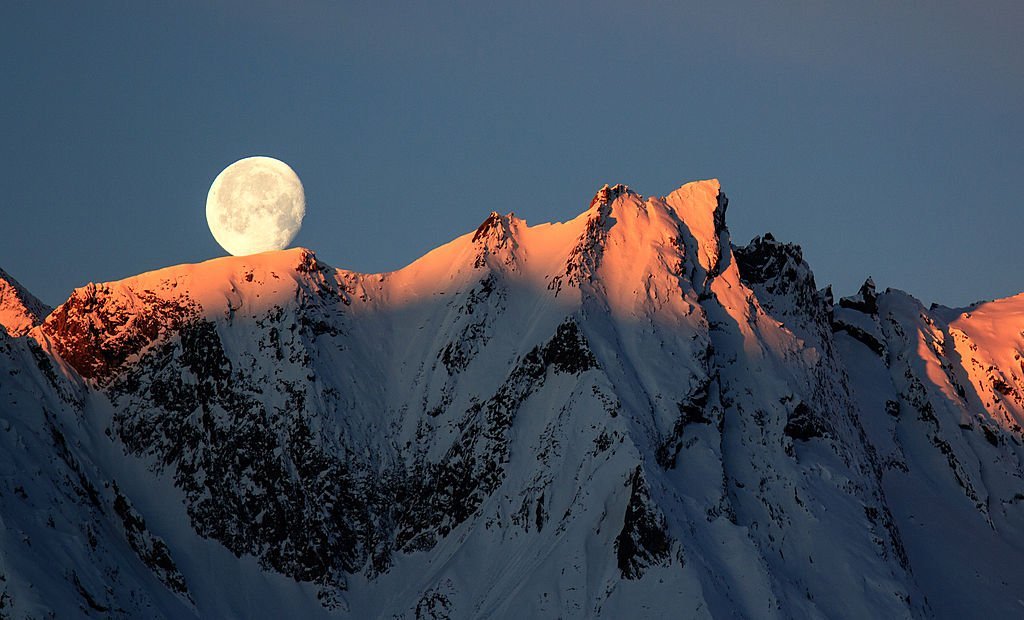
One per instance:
(622,415)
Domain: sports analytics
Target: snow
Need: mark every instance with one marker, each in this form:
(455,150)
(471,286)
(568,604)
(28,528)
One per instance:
(951,485)
(20,311)
(989,342)
(603,417)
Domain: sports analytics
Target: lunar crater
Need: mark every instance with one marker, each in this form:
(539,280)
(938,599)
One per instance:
(256,204)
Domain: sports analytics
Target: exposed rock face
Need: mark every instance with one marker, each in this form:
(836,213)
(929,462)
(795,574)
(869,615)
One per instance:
(643,540)
(96,331)
(784,285)
(617,415)
(866,299)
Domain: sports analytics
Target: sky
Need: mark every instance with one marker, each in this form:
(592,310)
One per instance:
(886,138)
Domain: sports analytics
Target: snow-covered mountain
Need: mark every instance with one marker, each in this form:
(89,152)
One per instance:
(621,415)
(20,311)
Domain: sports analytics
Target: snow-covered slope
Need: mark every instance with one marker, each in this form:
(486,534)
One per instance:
(20,311)
(620,414)
(949,441)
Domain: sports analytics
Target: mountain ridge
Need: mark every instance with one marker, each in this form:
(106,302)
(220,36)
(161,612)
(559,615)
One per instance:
(619,412)
(20,311)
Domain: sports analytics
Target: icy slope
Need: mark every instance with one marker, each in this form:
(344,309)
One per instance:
(618,414)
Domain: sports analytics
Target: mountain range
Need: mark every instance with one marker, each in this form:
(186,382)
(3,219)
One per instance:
(621,415)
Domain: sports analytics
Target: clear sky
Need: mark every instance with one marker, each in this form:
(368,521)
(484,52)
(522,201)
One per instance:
(886,138)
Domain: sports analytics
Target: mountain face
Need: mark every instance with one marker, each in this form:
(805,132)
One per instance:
(20,311)
(617,416)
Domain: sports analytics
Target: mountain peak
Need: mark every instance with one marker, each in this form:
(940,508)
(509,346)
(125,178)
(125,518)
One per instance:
(699,202)
(493,220)
(701,205)
(20,311)
(866,299)
(496,227)
(496,237)
(608,194)
(102,325)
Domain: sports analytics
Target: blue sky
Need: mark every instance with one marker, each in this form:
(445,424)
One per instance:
(887,139)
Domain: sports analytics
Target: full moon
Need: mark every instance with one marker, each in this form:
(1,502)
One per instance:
(255,205)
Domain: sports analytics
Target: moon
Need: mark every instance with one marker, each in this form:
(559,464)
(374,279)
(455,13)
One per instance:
(255,205)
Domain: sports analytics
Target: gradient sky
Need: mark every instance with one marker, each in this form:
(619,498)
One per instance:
(886,138)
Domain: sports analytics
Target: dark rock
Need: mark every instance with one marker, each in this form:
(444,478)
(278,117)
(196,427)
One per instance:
(643,541)
(990,435)
(151,549)
(802,424)
(860,336)
(1001,386)
(692,410)
(569,352)
(866,299)
(493,221)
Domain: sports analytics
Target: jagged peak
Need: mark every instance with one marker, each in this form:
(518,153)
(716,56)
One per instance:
(686,200)
(827,295)
(784,284)
(866,299)
(496,237)
(607,194)
(496,227)
(550,254)
(492,222)
(765,257)
(308,262)
(570,252)
(20,310)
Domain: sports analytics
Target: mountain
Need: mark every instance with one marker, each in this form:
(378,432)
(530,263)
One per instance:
(620,415)
(20,311)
